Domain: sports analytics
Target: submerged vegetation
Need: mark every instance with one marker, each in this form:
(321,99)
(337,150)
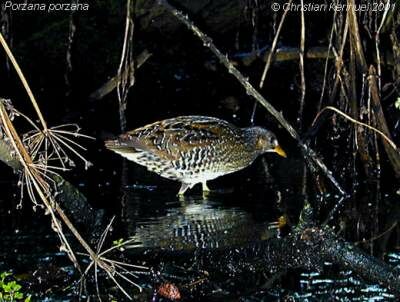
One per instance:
(10,290)
(329,89)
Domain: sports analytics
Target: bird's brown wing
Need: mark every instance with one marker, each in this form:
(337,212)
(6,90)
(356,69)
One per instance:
(167,138)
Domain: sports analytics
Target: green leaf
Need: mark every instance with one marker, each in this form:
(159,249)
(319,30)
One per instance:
(18,295)
(118,242)
(4,275)
(7,287)
(28,299)
(15,286)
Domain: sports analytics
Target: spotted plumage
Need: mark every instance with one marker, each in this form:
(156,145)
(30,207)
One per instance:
(194,149)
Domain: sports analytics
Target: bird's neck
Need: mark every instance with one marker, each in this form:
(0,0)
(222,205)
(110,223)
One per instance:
(250,138)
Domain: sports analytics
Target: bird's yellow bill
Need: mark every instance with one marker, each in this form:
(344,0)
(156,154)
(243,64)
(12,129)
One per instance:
(280,151)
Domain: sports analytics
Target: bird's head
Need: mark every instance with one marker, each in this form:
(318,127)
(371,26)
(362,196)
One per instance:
(263,140)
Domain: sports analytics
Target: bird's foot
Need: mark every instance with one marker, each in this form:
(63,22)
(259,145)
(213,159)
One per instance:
(205,189)
(183,189)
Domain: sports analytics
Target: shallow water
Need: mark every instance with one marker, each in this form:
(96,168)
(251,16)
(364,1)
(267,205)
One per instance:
(196,223)
(150,215)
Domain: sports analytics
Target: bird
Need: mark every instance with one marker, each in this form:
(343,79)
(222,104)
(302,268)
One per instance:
(194,149)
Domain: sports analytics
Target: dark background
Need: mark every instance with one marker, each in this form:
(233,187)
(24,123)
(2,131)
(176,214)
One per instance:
(183,77)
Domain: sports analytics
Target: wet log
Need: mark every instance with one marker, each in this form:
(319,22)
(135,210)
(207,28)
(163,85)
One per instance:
(283,54)
(308,248)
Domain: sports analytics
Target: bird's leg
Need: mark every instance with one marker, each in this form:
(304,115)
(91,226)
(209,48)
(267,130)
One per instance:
(205,187)
(183,188)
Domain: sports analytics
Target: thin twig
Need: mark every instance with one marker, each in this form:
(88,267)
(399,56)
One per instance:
(269,58)
(111,265)
(355,35)
(23,80)
(301,63)
(273,47)
(339,61)
(124,83)
(377,41)
(327,62)
(379,235)
(391,143)
(104,235)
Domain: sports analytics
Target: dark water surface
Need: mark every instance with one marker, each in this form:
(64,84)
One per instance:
(243,208)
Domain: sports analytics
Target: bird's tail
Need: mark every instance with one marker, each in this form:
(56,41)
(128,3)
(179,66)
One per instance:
(126,143)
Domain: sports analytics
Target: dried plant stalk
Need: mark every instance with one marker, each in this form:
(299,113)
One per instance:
(383,135)
(37,184)
(23,80)
(392,153)
(126,80)
(273,47)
